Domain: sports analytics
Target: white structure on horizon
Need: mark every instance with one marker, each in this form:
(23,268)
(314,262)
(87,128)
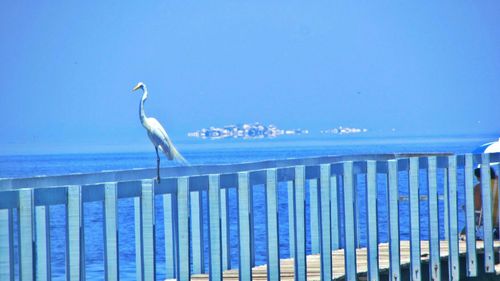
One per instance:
(245,131)
(343,131)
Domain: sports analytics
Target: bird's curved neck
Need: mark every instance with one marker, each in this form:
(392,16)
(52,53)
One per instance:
(142,114)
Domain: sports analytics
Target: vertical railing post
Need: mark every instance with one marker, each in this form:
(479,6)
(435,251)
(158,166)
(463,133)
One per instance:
(245,269)
(350,222)
(75,255)
(273,253)
(453,259)
(393,201)
(414,219)
(291,220)
(26,251)
(486,213)
(371,211)
(111,232)
(148,230)
(470,217)
(6,245)
(138,239)
(214,228)
(434,245)
(168,228)
(325,218)
(42,238)
(300,224)
(183,270)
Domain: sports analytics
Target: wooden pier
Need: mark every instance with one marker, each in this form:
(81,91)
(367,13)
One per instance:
(338,266)
(340,191)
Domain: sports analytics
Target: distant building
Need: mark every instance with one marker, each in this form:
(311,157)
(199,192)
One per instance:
(343,131)
(245,131)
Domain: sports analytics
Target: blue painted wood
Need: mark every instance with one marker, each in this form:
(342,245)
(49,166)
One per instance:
(148,230)
(325,219)
(9,199)
(434,244)
(314,215)
(167,186)
(355,171)
(74,241)
(471,263)
(129,189)
(42,238)
(393,202)
(50,196)
(224,214)
(486,214)
(92,193)
(291,220)
(171,172)
(445,201)
(6,245)
(168,228)
(215,248)
(245,268)
(197,231)
(273,249)
(371,211)
(253,182)
(183,270)
(334,203)
(453,261)
(138,239)
(111,262)
(300,224)
(350,222)
(415,267)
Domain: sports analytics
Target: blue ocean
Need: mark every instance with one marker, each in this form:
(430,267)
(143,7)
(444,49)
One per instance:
(226,151)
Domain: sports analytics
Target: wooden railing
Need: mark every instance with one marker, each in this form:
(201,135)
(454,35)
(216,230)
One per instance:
(181,190)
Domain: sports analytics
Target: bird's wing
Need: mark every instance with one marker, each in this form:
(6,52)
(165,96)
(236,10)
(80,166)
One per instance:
(165,144)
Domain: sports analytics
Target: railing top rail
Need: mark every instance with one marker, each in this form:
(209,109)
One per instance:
(170,172)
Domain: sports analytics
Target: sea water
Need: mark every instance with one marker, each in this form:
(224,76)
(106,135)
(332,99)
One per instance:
(213,152)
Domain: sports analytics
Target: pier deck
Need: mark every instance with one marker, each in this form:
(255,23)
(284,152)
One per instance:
(313,262)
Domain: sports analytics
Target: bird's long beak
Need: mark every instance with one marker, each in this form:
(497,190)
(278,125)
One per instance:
(136,87)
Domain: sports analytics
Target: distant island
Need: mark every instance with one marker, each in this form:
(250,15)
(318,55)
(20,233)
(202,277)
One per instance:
(260,131)
(245,131)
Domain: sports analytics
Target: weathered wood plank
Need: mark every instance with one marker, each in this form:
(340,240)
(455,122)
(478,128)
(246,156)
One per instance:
(273,247)
(326,239)
(371,210)
(314,261)
(392,200)
(244,225)
(470,217)
(434,264)
(214,235)
(6,245)
(111,231)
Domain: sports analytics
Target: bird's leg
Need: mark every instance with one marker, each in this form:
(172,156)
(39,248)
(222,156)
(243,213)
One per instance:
(157,165)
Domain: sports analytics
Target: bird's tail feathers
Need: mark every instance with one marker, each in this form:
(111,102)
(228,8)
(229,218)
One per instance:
(178,156)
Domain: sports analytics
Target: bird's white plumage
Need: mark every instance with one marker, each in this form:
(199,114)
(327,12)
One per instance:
(156,132)
(160,139)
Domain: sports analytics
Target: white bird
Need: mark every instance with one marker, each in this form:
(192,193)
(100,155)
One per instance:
(157,134)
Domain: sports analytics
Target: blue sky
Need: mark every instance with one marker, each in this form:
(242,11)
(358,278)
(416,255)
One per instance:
(67,68)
